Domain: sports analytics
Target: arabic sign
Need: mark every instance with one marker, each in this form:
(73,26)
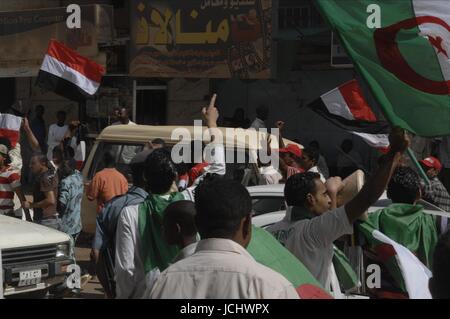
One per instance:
(24,36)
(202,39)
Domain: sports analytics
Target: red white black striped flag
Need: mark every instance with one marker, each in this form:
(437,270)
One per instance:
(346,107)
(10,128)
(69,74)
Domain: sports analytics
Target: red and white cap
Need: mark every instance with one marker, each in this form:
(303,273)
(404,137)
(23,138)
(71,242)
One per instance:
(293,149)
(432,162)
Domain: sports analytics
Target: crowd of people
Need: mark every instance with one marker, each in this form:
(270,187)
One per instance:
(184,230)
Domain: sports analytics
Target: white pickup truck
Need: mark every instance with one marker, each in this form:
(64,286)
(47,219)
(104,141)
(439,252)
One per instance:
(34,258)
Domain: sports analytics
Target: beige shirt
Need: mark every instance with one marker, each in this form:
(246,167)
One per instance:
(311,240)
(221,269)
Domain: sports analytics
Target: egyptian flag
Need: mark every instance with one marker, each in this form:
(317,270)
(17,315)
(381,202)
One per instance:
(10,128)
(69,74)
(346,107)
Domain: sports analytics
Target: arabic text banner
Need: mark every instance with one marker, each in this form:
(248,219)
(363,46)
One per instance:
(202,39)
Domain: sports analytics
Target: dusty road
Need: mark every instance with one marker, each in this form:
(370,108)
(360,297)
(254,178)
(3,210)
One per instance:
(93,289)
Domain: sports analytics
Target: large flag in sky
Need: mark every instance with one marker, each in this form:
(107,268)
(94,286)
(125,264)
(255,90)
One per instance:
(10,127)
(69,74)
(346,107)
(406,62)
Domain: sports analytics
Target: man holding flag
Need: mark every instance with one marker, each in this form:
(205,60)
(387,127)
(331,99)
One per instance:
(313,222)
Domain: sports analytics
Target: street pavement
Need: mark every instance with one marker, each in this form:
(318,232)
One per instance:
(93,289)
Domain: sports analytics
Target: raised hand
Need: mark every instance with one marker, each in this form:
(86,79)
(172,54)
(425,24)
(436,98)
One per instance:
(399,141)
(211,113)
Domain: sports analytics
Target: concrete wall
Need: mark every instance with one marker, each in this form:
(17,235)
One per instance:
(287,100)
(12,5)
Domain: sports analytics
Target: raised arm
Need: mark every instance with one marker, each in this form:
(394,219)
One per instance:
(376,185)
(280,126)
(216,158)
(32,140)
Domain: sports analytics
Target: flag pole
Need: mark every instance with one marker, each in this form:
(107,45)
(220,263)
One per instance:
(419,167)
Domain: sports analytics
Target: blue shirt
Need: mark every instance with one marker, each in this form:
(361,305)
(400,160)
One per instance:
(108,218)
(70,196)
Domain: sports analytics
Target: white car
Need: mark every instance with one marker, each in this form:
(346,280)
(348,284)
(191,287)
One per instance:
(34,258)
(269,206)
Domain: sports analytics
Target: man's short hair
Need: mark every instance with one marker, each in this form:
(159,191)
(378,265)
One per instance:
(404,186)
(440,283)
(160,172)
(108,159)
(221,205)
(313,153)
(137,167)
(182,213)
(42,158)
(298,186)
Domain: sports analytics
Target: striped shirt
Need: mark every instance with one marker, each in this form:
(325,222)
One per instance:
(9,181)
(437,194)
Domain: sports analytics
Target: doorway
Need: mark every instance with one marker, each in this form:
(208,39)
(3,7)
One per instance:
(7,92)
(150,107)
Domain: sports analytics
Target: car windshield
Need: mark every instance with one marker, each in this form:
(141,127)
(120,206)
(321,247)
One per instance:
(267,204)
(237,161)
(123,154)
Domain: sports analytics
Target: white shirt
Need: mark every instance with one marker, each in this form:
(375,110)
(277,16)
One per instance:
(221,269)
(129,267)
(315,169)
(152,277)
(258,124)
(187,251)
(16,158)
(311,240)
(270,175)
(128,151)
(55,136)
(120,123)
(214,155)
(131,280)
(80,149)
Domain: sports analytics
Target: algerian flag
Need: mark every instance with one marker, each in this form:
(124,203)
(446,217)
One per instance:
(406,61)
(415,274)
(403,237)
(268,251)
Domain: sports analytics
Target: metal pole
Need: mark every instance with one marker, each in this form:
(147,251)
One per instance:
(419,167)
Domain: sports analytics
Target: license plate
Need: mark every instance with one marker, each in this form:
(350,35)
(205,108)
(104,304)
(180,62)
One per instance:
(30,277)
